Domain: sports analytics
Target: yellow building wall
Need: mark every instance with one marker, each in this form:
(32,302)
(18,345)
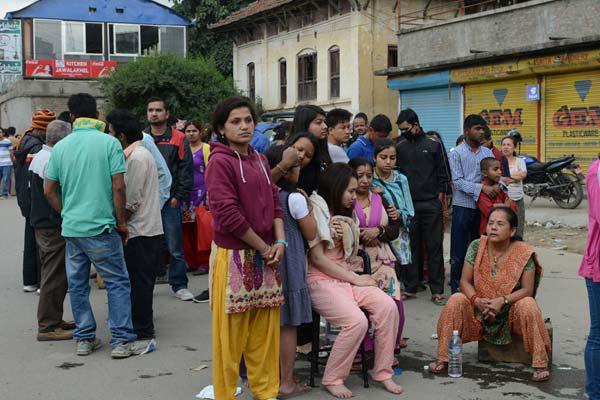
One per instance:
(504,106)
(572,116)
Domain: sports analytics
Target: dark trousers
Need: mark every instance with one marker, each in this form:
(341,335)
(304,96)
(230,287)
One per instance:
(54,285)
(31,257)
(141,256)
(592,348)
(426,227)
(465,229)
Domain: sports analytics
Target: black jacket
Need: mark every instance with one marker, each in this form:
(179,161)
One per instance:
(175,149)
(42,215)
(26,150)
(421,159)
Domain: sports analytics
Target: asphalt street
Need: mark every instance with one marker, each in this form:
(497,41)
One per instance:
(51,371)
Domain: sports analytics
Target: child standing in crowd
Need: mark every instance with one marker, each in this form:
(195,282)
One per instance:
(300,227)
(249,243)
(338,293)
(359,127)
(491,170)
(395,190)
(379,224)
(196,260)
(518,173)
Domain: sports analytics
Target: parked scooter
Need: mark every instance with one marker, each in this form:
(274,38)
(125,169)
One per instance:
(560,180)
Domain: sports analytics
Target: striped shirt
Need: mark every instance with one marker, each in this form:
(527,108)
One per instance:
(5,148)
(466,174)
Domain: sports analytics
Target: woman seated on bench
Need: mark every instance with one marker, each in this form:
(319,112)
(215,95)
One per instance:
(338,293)
(498,285)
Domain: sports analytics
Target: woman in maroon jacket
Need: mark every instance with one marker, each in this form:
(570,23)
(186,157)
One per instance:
(249,243)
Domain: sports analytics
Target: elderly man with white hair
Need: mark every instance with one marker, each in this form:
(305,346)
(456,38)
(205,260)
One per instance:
(47,226)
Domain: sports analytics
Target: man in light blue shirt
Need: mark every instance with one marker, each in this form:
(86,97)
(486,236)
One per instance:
(379,127)
(467,186)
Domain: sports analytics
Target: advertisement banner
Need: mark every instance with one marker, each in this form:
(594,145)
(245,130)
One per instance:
(11,61)
(573,116)
(69,69)
(505,106)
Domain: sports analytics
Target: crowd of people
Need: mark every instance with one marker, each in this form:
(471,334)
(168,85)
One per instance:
(282,234)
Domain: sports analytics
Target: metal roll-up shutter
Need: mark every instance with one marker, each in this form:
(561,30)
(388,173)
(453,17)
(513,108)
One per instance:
(504,106)
(572,113)
(438,110)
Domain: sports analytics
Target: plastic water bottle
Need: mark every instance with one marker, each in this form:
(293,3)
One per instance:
(455,356)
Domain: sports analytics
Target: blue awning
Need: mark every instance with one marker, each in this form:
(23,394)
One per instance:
(113,11)
(420,81)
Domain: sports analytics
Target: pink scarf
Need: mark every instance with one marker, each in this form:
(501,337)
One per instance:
(374,215)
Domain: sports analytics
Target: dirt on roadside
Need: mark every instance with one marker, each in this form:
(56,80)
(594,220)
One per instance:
(566,239)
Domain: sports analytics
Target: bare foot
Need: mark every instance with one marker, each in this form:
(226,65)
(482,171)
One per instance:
(339,391)
(391,386)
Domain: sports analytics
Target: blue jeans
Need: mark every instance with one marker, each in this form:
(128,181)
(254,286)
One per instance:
(171,219)
(465,229)
(5,173)
(592,349)
(105,251)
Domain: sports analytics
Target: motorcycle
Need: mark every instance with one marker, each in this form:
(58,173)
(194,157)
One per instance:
(560,180)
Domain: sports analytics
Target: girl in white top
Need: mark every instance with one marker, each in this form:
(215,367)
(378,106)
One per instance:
(518,173)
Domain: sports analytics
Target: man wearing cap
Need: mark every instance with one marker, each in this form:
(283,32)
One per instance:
(31,143)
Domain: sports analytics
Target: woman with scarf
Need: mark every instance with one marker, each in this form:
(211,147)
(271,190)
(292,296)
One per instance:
(249,243)
(379,224)
(338,290)
(393,186)
(499,281)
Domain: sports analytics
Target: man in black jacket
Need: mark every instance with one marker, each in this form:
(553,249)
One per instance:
(31,143)
(175,148)
(46,223)
(421,159)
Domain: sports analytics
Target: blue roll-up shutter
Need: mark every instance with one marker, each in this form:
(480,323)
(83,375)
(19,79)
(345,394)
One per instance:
(439,109)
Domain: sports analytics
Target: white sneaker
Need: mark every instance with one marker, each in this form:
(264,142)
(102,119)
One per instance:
(34,288)
(184,294)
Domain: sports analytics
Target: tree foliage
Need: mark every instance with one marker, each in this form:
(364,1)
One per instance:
(191,87)
(204,42)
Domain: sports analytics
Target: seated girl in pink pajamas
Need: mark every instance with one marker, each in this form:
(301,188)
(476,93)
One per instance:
(338,294)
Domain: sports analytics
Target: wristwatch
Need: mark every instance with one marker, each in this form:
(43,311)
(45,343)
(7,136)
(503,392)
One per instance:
(506,302)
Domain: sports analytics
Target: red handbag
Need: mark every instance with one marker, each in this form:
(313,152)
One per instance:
(204,228)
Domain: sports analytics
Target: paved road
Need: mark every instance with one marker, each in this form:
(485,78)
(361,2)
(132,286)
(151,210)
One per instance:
(50,371)
(543,210)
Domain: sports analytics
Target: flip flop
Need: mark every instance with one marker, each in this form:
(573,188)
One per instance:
(439,300)
(299,390)
(540,371)
(437,364)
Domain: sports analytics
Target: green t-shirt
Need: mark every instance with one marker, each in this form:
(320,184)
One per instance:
(83,164)
(474,248)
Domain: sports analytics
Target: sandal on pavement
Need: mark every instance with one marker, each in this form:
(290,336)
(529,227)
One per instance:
(439,300)
(437,367)
(540,374)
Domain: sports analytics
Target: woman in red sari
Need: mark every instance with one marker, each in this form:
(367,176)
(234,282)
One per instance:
(498,285)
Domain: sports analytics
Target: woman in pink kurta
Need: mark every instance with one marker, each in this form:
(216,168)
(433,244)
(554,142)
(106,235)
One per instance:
(590,270)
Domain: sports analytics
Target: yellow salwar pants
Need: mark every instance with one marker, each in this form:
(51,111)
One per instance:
(253,334)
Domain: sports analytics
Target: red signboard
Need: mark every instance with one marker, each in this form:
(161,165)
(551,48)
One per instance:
(68,69)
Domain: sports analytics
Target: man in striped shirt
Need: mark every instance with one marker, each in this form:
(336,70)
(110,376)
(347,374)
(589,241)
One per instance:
(466,180)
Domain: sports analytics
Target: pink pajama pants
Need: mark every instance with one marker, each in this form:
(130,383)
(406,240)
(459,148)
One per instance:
(340,304)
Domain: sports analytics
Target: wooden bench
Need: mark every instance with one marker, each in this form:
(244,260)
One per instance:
(511,353)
